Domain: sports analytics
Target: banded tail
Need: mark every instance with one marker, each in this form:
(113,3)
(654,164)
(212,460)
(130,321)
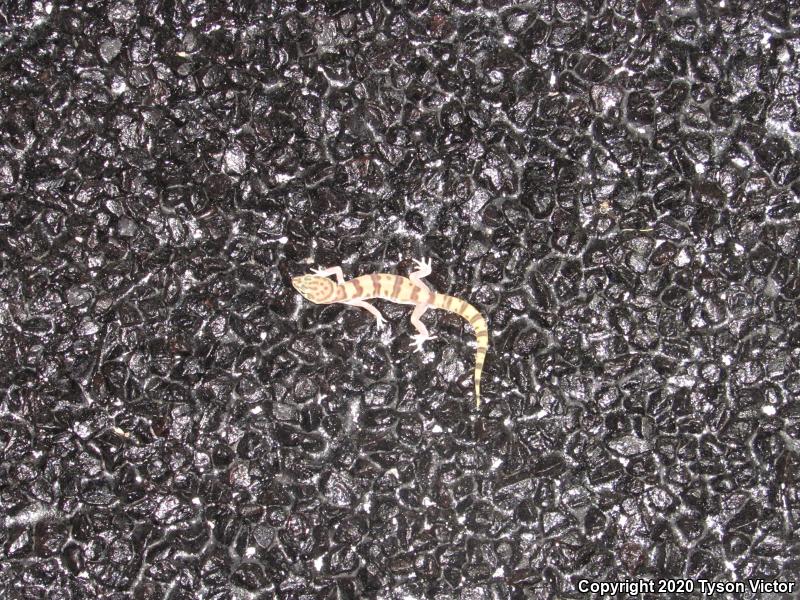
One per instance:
(469,313)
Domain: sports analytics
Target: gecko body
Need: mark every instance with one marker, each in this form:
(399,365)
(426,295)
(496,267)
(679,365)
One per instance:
(320,289)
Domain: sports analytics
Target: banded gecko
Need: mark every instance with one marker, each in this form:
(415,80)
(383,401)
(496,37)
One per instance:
(319,289)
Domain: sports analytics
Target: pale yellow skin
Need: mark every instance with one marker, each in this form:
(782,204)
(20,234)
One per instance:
(319,289)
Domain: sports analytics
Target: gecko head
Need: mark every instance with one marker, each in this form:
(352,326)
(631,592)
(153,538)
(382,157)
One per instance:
(319,290)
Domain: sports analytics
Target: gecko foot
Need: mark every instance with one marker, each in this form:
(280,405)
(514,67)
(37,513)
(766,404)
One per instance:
(424,265)
(319,272)
(420,339)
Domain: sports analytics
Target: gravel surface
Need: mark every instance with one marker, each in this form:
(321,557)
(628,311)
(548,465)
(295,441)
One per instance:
(615,185)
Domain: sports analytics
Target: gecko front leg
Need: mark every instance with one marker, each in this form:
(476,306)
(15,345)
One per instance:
(372,310)
(328,272)
(423,270)
(422,335)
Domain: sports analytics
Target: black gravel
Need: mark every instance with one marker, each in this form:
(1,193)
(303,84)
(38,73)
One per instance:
(615,185)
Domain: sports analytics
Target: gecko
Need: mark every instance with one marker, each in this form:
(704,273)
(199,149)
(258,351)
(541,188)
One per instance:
(320,289)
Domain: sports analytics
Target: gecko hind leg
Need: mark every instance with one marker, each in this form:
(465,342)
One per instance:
(423,270)
(371,309)
(422,331)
